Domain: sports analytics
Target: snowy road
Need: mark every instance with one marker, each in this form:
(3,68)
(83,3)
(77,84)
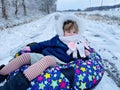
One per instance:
(103,37)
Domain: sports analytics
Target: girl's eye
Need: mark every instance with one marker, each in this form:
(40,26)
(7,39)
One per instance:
(74,32)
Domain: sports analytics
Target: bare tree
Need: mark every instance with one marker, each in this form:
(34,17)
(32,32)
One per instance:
(4,14)
(13,8)
(48,5)
(24,7)
(18,4)
(16,7)
(15,4)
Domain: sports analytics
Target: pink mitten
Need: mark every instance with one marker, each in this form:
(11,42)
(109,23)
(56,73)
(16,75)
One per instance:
(72,46)
(72,49)
(27,48)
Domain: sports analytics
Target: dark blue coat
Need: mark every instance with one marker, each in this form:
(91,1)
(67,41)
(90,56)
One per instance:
(53,47)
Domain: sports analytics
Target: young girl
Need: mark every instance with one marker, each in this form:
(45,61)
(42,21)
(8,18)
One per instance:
(58,50)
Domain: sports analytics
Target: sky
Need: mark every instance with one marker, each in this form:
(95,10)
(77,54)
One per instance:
(82,4)
(41,29)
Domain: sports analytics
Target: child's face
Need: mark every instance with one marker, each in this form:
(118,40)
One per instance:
(70,32)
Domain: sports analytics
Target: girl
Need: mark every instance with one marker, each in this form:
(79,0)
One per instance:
(58,50)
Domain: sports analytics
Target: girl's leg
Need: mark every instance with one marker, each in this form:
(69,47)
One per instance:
(34,70)
(21,81)
(15,64)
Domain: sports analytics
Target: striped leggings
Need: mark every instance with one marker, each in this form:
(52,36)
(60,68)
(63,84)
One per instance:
(32,71)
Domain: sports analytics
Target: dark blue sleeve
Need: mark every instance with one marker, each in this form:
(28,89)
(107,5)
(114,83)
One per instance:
(41,45)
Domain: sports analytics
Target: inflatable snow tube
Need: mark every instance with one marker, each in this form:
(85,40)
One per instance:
(87,74)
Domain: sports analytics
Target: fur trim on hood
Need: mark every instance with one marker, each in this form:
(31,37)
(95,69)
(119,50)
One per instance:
(65,17)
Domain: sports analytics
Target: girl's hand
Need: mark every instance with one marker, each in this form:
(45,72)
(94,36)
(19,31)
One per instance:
(27,48)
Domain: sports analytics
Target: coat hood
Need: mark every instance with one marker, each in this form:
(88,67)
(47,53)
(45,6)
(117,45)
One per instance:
(64,17)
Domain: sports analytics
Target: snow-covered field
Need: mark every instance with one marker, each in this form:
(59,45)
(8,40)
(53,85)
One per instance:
(111,13)
(105,38)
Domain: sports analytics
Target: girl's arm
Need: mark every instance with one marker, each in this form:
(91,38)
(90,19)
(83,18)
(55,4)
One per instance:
(38,47)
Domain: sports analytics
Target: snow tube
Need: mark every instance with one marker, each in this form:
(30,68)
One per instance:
(87,74)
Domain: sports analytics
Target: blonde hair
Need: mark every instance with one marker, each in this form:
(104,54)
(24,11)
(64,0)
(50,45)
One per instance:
(69,24)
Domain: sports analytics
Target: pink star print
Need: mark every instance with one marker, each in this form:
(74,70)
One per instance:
(40,78)
(62,84)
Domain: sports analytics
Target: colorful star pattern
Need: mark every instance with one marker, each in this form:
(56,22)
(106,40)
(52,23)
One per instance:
(54,84)
(47,75)
(41,86)
(83,86)
(62,84)
(90,78)
(83,69)
(87,74)
(40,78)
(81,77)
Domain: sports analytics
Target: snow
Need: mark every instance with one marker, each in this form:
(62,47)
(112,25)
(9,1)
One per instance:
(105,38)
(106,84)
(111,13)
